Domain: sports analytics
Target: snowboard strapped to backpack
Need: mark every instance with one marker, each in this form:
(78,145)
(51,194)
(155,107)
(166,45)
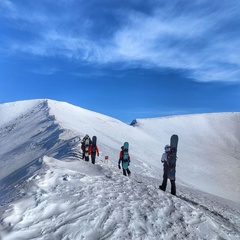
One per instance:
(172,157)
(125,158)
(94,144)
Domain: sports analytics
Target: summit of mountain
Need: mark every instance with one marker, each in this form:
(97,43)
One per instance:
(208,152)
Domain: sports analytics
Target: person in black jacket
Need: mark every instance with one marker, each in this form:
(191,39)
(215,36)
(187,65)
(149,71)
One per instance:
(164,160)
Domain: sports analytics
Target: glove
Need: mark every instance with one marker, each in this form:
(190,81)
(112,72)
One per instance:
(98,154)
(119,167)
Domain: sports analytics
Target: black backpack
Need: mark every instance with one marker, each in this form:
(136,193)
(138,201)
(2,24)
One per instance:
(93,148)
(172,157)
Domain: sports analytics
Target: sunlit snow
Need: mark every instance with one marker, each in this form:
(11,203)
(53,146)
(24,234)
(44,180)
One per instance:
(48,192)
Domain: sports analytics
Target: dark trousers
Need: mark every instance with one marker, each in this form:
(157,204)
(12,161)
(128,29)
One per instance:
(165,178)
(83,154)
(126,171)
(93,157)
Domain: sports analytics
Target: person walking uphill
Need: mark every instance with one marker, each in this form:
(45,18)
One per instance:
(92,151)
(124,158)
(86,142)
(164,160)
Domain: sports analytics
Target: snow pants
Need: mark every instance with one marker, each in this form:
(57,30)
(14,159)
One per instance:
(165,178)
(126,172)
(93,157)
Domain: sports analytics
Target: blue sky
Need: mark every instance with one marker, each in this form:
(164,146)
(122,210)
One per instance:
(123,58)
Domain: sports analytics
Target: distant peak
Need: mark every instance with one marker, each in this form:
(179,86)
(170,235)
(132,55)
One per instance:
(133,123)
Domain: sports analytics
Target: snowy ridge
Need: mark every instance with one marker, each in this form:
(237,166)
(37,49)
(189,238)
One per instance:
(25,140)
(44,198)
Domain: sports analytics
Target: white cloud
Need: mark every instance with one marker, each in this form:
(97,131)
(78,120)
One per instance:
(45,70)
(7,5)
(163,39)
(168,44)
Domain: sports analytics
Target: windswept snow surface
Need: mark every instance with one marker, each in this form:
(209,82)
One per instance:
(208,144)
(47,192)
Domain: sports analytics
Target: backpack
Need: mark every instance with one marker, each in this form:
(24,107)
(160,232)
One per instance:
(172,157)
(87,142)
(93,148)
(125,156)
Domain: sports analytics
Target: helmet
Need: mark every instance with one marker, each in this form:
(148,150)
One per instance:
(167,148)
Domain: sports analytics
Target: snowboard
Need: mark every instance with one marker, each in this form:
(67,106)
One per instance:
(172,157)
(94,144)
(94,140)
(125,156)
(87,143)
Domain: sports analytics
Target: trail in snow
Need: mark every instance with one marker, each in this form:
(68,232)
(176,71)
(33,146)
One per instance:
(78,200)
(64,198)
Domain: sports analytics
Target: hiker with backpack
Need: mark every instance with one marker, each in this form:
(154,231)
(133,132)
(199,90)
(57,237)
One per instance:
(164,160)
(85,144)
(93,151)
(125,162)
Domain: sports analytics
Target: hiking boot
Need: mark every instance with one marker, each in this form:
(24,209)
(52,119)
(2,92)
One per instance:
(160,187)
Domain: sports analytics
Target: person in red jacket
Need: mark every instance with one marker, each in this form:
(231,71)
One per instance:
(92,151)
(125,171)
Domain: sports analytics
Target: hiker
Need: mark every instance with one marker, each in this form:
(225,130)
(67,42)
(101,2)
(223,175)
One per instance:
(124,157)
(85,146)
(164,160)
(83,149)
(92,151)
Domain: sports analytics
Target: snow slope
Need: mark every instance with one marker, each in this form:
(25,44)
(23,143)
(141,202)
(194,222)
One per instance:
(44,198)
(208,146)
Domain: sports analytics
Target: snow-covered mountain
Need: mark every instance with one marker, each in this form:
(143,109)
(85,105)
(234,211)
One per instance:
(44,198)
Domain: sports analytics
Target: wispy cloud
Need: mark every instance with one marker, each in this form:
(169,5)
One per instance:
(45,70)
(7,6)
(182,42)
(201,36)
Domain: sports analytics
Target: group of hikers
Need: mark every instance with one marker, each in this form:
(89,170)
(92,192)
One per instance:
(90,148)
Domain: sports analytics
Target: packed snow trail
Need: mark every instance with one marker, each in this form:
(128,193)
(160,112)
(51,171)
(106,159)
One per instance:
(78,200)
